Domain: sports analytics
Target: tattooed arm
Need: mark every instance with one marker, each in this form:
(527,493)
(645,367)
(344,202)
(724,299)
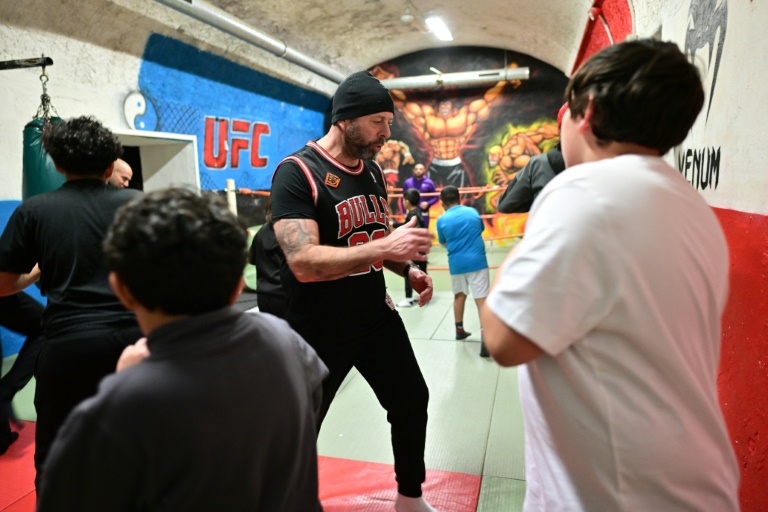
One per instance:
(311,262)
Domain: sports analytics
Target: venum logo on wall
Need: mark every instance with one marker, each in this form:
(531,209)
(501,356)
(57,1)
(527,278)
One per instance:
(701,167)
(704,42)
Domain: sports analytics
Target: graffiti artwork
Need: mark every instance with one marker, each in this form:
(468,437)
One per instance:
(234,112)
(701,167)
(220,149)
(476,137)
(708,23)
(705,33)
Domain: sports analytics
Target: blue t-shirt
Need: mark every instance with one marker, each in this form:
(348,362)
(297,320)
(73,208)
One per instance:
(460,229)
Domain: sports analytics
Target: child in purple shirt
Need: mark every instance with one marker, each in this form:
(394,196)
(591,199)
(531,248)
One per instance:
(423,184)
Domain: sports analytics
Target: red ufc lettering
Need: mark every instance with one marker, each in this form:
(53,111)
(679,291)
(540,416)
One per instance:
(217,135)
(259,129)
(215,158)
(238,143)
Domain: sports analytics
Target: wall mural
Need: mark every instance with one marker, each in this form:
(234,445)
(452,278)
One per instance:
(246,122)
(707,24)
(472,137)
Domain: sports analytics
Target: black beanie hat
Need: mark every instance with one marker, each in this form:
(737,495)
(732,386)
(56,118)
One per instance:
(361,94)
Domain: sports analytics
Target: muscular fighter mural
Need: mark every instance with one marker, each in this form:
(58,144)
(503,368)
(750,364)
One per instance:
(478,136)
(446,128)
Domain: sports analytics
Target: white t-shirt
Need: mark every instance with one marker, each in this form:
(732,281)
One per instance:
(621,279)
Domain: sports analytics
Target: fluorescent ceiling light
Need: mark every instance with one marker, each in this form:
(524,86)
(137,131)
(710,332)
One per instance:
(437,26)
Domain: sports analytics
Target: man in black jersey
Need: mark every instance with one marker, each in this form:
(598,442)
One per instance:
(331,215)
(84,327)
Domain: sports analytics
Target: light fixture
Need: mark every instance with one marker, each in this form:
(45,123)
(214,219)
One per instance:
(413,17)
(460,79)
(438,27)
(407,16)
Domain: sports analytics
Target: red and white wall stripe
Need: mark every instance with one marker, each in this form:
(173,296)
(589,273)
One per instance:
(722,158)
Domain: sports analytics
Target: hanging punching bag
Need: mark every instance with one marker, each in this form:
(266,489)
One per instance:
(39,174)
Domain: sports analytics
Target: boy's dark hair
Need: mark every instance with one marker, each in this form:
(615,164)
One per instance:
(81,146)
(412,196)
(644,92)
(176,251)
(449,195)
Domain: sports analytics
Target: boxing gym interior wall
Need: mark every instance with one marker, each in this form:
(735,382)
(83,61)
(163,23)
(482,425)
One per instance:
(722,159)
(141,67)
(137,65)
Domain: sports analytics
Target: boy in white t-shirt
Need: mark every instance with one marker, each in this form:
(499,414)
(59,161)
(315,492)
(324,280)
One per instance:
(614,299)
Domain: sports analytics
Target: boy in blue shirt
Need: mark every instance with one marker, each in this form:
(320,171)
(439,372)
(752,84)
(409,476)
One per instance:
(460,229)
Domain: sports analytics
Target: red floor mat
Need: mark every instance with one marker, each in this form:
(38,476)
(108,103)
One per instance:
(345,485)
(25,504)
(351,486)
(17,471)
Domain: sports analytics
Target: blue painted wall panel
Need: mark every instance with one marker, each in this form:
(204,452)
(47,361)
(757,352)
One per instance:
(245,121)
(11,341)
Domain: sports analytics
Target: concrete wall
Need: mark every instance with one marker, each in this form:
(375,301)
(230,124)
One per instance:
(101,48)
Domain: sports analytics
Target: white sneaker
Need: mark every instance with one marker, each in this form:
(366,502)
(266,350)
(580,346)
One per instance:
(405,303)
(405,504)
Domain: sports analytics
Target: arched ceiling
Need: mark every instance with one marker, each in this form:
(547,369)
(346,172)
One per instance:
(349,35)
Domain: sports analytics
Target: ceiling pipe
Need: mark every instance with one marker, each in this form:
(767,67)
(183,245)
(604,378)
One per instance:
(462,79)
(215,17)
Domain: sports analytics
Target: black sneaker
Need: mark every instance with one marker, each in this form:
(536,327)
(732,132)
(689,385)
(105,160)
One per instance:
(483,350)
(460,335)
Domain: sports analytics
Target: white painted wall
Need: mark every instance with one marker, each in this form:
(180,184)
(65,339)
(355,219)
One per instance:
(79,83)
(646,16)
(96,46)
(736,122)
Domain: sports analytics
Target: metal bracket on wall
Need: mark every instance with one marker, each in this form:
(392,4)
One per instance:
(26,63)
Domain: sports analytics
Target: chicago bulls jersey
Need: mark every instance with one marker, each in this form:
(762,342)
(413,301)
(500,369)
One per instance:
(351,208)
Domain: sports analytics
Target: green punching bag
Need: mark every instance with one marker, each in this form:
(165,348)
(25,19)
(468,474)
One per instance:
(39,173)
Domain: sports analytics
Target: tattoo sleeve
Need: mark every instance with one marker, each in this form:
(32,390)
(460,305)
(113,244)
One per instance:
(310,261)
(294,236)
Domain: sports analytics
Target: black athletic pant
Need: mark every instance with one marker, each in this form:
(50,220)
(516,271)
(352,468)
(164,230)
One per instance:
(69,369)
(272,304)
(386,361)
(408,289)
(22,314)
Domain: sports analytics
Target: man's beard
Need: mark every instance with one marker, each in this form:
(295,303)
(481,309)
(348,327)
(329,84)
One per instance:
(359,148)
